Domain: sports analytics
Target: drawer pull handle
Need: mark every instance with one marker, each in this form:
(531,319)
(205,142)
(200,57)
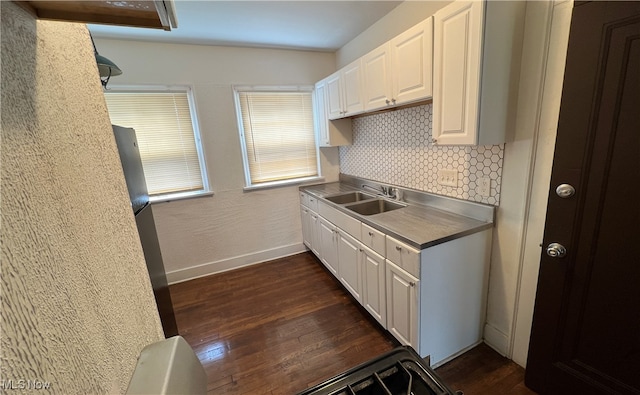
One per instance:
(370,234)
(398,248)
(412,284)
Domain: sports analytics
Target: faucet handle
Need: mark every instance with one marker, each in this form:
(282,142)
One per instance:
(395,193)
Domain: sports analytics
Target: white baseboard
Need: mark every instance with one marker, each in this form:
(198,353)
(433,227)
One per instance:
(496,339)
(206,269)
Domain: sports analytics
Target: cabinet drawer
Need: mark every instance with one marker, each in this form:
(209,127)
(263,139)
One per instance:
(309,201)
(340,219)
(408,258)
(373,239)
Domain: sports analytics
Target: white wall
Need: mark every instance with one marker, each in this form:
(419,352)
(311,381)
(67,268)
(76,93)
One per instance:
(77,305)
(232,228)
(401,18)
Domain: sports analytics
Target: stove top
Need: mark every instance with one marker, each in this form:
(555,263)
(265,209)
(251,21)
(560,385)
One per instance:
(398,372)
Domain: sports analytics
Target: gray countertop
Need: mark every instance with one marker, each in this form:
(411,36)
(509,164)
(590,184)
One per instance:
(419,225)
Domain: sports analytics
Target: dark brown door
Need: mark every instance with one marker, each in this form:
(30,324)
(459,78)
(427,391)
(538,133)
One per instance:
(586,328)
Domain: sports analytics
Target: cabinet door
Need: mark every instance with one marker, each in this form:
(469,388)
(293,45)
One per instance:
(352,88)
(314,226)
(411,65)
(376,69)
(458,30)
(328,245)
(333,96)
(373,285)
(306,226)
(349,272)
(330,133)
(321,115)
(402,305)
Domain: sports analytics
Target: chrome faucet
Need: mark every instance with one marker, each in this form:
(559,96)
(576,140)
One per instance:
(389,192)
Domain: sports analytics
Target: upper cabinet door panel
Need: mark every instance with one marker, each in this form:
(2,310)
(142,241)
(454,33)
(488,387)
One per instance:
(377,87)
(330,133)
(458,30)
(333,96)
(411,54)
(352,85)
(321,115)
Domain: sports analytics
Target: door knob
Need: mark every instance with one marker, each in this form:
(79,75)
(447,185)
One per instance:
(556,250)
(565,190)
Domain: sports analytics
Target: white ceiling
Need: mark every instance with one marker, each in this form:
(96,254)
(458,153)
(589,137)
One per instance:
(308,25)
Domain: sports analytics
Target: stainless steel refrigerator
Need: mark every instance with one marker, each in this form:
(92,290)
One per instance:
(137,186)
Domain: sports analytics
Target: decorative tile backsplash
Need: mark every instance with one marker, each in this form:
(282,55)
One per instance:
(396,147)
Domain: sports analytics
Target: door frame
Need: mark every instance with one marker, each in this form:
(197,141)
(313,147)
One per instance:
(554,19)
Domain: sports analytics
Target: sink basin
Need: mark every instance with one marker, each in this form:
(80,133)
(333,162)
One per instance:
(349,197)
(372,207)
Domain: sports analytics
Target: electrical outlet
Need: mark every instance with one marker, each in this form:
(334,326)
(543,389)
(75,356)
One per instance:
(448,177)
(484,187)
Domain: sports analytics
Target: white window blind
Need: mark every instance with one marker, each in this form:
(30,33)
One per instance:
(166,138)
(278,134)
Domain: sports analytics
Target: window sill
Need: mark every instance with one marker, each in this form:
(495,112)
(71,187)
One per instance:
(285,183)
(170,197)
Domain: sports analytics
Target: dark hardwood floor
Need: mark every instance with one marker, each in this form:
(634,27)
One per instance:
(282,326)
(484,371)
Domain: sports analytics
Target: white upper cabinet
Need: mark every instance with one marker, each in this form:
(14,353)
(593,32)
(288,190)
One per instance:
(330,133)
(377,86)
(411,63)
(477,47)
(352,88)
(344,91)
(334,96)
(400,71)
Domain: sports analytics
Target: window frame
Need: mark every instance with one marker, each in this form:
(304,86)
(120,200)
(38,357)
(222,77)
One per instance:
(249,186)
(188,89)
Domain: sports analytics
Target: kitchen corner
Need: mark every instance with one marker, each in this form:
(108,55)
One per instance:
(417,265)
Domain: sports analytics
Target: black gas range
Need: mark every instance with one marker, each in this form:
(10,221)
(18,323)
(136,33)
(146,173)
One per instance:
(398,372)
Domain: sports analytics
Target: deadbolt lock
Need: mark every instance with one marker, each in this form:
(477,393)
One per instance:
(565,191)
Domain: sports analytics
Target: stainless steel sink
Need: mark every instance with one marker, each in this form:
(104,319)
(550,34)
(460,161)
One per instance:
(349,197)
(372,207)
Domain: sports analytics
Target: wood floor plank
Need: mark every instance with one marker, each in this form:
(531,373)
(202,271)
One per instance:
(282,326)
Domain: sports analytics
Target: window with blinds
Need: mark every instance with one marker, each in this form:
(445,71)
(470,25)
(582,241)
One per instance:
(277,134)
(168,140)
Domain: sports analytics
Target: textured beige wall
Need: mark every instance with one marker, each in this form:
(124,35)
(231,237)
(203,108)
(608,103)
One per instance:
(77,305)
(232,228)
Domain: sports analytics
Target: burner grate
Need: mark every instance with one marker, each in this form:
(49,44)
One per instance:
(400,372)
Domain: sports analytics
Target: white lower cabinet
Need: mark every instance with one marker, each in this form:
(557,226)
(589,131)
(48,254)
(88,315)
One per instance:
(310,222)
(402,305)
(373,284)
(349,273)
(328,245)
(314,231)
(431,299)
(305,217)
